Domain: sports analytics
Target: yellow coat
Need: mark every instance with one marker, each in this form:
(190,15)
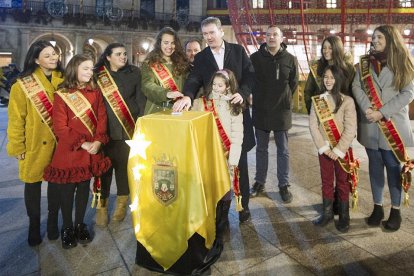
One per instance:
(26,132)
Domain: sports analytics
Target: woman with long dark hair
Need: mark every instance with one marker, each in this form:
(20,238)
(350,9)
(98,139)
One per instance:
(341,108)
(30,137)
(120,84)
(332,53)
(383,87)
(164,71)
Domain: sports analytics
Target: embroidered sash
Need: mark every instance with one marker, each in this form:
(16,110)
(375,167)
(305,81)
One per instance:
(82,109)
(39,98)
(225,141)
(116,102)
(348,163)
(313,67)
(387,128)
(164,76)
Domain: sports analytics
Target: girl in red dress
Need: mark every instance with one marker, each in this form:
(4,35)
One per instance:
(79,122)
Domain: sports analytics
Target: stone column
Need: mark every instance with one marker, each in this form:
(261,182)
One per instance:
(23,47)
(79,41)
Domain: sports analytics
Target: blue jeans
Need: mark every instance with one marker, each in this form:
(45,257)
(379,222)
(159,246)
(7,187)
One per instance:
(377,160)
(262,156)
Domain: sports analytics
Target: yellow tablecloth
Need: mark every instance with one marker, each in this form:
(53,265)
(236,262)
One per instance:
(192,144)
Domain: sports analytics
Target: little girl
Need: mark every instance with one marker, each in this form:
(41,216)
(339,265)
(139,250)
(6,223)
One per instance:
(229,120)
(79,123)
(333,126)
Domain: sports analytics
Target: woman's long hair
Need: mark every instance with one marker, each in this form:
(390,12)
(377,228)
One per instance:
(103,61)
(399,60)
(231,86)
(178,58)
(71,73)
(336,89)
(33,53)
(339,59)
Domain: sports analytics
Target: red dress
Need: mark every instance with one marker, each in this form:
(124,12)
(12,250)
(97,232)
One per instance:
(71,163)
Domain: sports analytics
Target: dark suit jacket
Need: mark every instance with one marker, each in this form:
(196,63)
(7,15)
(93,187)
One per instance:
(236,60)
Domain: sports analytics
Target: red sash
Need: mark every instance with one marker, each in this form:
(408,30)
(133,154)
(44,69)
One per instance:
(387,128)
(116,102)
(82,109)
(39,98)
(349,164)
(225,141)
(164,76)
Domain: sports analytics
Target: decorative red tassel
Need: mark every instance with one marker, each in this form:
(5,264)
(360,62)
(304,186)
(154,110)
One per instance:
(236,188)
(96,194)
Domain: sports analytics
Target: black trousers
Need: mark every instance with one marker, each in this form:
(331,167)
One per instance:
(70,193)
(244,180)
(118,152)
(32,195)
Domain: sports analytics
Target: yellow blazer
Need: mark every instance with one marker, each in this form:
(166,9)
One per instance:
(26,132)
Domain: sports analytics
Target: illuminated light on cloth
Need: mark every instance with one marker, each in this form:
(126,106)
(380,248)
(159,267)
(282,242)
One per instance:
(190,143)
(387,128)
(138,146)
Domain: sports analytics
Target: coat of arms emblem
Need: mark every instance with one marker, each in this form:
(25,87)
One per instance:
(164,180)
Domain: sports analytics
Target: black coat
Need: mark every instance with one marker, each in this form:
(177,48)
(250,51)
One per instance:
(236,60)
(128,80)
(277,78)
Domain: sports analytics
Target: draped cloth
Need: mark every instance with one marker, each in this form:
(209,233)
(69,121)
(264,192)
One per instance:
(190,143)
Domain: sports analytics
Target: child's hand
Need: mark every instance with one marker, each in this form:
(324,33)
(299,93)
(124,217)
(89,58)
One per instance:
(95,146)
(331,155)
(86,145)
(21,156)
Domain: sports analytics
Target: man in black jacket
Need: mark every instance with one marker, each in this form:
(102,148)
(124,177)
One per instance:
(277,77)
(218,55)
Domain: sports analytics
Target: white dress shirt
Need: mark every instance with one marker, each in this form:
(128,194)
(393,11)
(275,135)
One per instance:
(219,56)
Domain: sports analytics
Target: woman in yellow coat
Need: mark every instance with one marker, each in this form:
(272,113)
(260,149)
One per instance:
(30,137)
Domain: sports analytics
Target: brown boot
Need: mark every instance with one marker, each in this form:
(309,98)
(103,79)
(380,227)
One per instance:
(102,213)
(121,208)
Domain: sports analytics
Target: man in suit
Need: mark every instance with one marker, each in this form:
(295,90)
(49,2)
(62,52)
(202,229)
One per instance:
(219,55)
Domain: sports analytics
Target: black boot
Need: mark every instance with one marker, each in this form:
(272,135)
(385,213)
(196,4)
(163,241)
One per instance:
(222,229)
(343,223)
(82,233)
(34,231)
(222,220)
(32,192)
(335,206)
(394,221)
(244,215)
(377,216)
(53,211)
(327,214)
(68,238)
